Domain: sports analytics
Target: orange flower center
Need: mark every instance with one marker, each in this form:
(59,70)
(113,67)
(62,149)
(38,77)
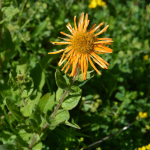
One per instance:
(83,42)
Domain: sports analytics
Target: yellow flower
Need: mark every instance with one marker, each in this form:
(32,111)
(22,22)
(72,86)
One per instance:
(148,147)
(95,3)
(143,148)
(145,57)
(83,46)
(101,3)
(139,148)
(143,115)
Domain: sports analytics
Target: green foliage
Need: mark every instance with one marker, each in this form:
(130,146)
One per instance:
(31,85)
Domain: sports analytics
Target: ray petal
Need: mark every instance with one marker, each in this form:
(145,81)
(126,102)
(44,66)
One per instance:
(59,63)
(70,28)
(99,58)
(85,67)
(100,63)
(68,49)
(103,30)
(103,38)
(93,65)
(103,49)
(74,66)
(92,31)
(66,64)
(85,26)
(64,39)
(102,42)
(60,43)
(81,20)
(92,27)
(75,24)
(56,51)
(82,62)
(66,34)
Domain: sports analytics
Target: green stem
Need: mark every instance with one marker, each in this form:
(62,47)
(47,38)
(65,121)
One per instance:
(21,11)
(55,111)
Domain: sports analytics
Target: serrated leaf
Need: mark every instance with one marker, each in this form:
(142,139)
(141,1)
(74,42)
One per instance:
(72,125)
(46,102)
(27,111)
(14,110)
(72,100)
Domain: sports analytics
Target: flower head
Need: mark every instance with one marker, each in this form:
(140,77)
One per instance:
(83,46)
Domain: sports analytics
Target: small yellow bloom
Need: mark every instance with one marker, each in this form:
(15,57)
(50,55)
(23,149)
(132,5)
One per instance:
(143,148)
(142,115)
(139,148)
(145,57)
(148,147)
(101,3)
(95,3)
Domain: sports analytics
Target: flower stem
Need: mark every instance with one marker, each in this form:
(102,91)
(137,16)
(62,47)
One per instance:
(57,107)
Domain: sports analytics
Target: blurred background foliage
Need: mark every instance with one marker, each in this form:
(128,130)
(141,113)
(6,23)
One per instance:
(119,98)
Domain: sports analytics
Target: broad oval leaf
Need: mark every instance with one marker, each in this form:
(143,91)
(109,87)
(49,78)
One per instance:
(46,102)
(72,100)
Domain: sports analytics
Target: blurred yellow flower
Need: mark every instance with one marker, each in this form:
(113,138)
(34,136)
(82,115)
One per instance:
(148,147)
(142,115)
(143,148)
(145,57)
(95,3)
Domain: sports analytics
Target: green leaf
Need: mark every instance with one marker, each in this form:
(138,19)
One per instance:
(40,28)
(38,146)
(27,111)
(28,89)
(14,109)
(60,80)
(6,38)
(61,116)
(59,94)
(21,69)
(72,125)
(46,102)
(9,13)
(71,101)
(33,124)
(38,117)
(7,147)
